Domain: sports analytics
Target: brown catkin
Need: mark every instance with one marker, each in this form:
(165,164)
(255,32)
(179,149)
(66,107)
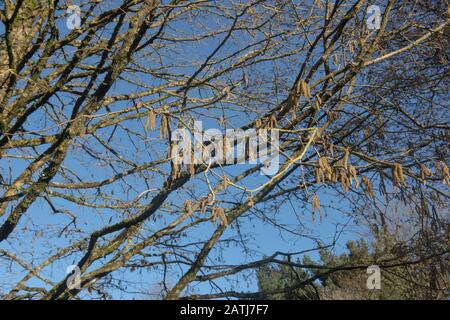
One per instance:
(326,168)
(346,156)
(304,89)
(222,216)
(335,60)
(273,122)
(164,126)
(367,186)
(214,214)
(147,122)
(345,181)
(319,174)
(353,175)
(150,121)
(445,174)
(187,206)
(315,205)
(397,173)
(351,48)
(226,181)
(424,173)
(218,212)
(319,100)
(176,170)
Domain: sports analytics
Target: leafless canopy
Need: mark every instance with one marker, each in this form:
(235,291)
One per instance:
(86,176)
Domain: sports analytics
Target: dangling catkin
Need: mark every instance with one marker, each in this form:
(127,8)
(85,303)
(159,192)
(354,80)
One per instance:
(305,91)
(367,186)
(222,217)
(397,173)
(424,173)
(353,175)
(150,121)
(164,127)
(315,205)
(445,174)
(273,122)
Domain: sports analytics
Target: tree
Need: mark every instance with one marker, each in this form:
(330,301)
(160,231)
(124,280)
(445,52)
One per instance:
(90,98)
(344,276)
